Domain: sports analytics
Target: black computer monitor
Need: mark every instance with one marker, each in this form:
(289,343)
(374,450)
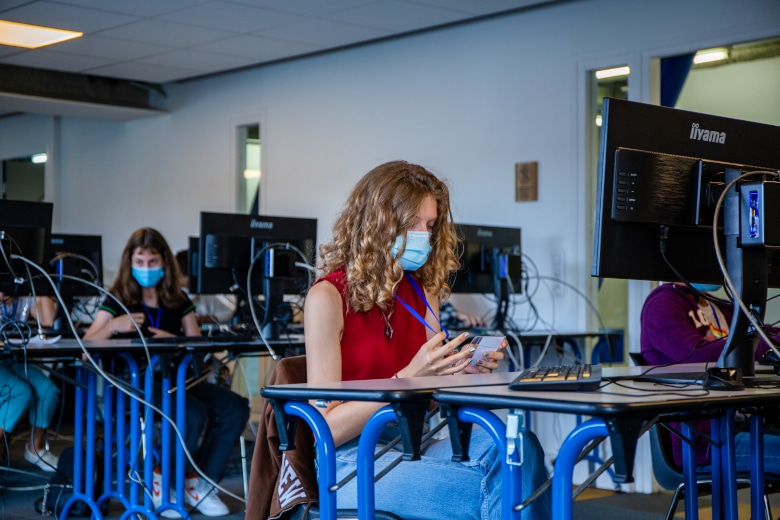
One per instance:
(491,263)
(282,247)
(25,230)
(193,253)
(661,171)
(75,256)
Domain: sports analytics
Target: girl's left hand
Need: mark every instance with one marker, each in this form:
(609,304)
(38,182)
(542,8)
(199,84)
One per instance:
(159,333)
(488,363)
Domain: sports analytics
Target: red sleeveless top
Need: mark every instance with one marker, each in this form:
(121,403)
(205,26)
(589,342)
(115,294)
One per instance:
(366,352)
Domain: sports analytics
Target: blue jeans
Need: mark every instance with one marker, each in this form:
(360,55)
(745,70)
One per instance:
(742,453)
(24,390)
(215,417)
(436,488)
(218,415)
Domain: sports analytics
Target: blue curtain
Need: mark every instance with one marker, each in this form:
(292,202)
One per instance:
(674,70)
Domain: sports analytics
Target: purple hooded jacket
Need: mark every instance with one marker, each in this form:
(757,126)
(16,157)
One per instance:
(673,332)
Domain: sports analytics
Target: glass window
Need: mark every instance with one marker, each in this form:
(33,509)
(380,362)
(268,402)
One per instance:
(248,170)
(24,179)
(612,294)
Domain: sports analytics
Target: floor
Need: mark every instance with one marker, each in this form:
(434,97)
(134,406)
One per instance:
(22,484)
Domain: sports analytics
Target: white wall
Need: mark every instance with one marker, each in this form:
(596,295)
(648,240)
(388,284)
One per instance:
(467,101)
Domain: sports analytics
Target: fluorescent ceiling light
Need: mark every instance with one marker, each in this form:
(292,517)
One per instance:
(32,36)
(710,55)
(612,73)
(38,158)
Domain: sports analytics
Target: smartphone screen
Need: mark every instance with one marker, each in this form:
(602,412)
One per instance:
(484,344)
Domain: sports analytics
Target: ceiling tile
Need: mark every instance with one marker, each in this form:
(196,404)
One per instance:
(481,8)
(202,62)
(46,59)
(307,7)
(397,15)
(66,17)
(117,50)
(166,33)
(232,17)
(143,8)
(159,41)
(258,48)
(328,33)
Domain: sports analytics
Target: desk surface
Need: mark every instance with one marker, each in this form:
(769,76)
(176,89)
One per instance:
(70,347)
(621,398)
(490,390)
(382,390)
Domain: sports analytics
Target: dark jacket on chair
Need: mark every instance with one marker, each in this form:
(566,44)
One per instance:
(280,480)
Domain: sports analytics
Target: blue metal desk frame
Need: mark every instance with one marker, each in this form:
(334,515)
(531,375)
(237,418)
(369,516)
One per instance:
(609,413)
(403,394)
(115,405)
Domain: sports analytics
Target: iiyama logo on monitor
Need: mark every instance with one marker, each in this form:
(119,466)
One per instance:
(484,233)
(711,136)
(260,224)
(57,241)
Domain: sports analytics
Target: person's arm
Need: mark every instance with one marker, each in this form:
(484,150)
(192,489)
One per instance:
(323,323)
(487,365)
(44,311)
(189,324)
(670,333)
(105,325)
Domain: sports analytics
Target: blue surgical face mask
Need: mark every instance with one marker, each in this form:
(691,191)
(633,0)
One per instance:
(706,287)
(418,247)
(148,276)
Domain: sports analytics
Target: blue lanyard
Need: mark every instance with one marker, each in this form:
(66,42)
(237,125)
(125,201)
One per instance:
(153,323)
(417,315)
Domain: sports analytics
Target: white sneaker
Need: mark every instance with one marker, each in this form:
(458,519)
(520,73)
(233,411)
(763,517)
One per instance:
(203,497)
(157,496)
(44,459)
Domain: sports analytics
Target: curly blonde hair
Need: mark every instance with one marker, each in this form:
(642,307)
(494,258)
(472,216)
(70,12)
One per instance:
(383,205)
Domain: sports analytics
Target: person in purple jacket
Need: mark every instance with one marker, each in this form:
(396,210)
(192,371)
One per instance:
(680,326)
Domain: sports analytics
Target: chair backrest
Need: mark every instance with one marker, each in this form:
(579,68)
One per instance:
(637,358)
(666,472)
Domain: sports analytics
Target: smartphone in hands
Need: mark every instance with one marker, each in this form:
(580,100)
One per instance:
(484,344)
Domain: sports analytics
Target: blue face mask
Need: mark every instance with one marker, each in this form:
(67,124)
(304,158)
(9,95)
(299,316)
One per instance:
(706,287)
(418,247)
(148,276)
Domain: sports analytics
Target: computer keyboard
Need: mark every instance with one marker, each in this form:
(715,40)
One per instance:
(562,377)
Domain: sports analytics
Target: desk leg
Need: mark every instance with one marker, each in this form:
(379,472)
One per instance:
(326,454)
(690,474)
(83,476)
(563,472)
(365,460)
(181,382)
(122,463)
(756,465)
(510,468)
(728,474)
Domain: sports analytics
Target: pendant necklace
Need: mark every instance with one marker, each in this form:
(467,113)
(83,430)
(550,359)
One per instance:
(388,328)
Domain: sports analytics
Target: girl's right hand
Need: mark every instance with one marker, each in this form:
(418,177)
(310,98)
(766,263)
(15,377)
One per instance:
(124,324)
(436,358)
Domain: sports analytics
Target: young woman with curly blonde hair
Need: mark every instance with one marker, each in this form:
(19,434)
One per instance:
(374,314)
